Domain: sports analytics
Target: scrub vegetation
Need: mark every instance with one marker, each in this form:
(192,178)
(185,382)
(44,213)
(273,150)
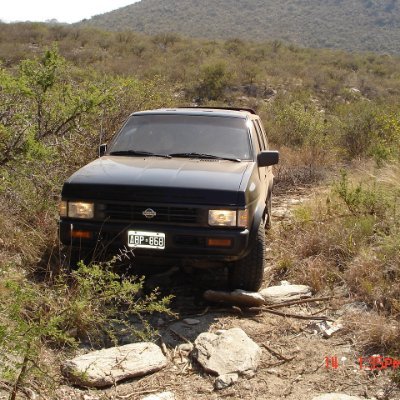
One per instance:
(64,90)
(348,237)
(352,25)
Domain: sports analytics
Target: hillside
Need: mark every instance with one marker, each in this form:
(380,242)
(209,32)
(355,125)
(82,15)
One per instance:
(335,118)
(355,25)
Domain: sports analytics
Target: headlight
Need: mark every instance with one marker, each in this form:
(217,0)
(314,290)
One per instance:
(228,218)
(222,217)
(77,209)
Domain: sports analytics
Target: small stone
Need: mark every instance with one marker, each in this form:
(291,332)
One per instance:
(273,371)
(226,380)
(90,397)
(294,202)
(326,328)
(246,386)
(281,213)
(380,395)
(185,347)
(336,396)
(298,378)
(160,396)
(248,374)
(191,321)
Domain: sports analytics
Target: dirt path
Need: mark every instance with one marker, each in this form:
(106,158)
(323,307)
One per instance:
(297,363)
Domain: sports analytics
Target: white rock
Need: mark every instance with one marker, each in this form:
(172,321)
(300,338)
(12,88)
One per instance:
(294,202)
(380,395)
(325,328)
(281,213)
(231,351)
(90,397)
(336,396)
(185,347)
(106,367)
(273,371)
(279,294)
(191,321)
(160,396)
(248,374)
(224,381)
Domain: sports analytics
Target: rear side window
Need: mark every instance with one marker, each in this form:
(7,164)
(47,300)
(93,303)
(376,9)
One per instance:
(262,132)
(259,135)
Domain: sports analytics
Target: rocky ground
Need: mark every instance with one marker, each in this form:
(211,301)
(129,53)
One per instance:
(294,358)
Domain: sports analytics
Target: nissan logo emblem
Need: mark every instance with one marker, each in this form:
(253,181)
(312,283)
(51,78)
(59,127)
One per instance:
(149,213)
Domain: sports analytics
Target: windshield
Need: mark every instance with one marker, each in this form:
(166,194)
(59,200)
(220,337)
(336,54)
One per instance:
(186,134)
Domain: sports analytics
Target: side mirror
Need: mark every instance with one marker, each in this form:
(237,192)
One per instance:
(267,158)
(102,149)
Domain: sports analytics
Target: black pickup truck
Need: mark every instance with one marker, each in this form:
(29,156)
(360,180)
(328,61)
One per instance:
(184,186)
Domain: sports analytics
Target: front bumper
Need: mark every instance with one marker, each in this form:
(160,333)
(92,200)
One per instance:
(181,242)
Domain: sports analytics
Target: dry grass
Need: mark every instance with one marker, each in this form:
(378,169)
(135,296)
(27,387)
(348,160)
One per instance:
(300,166)
(347,241)
(374,332)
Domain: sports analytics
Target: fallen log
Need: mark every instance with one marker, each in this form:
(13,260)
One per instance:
(237,298)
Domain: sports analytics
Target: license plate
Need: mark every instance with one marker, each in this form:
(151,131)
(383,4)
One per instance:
(146,240)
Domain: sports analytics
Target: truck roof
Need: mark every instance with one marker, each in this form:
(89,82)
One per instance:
(201,111)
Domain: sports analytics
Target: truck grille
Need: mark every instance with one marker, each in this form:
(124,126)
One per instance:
(163,214)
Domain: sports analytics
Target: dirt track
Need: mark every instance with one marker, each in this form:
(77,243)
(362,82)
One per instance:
(294,359)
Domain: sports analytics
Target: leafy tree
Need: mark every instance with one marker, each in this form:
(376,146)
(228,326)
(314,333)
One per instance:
(214,79)
(51,100)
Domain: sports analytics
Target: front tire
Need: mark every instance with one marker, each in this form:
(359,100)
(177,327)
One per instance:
(247,273)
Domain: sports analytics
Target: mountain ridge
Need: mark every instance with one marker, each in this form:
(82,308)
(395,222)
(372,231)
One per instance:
(353,25)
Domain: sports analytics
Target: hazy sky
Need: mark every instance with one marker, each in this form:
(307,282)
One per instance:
(62,10)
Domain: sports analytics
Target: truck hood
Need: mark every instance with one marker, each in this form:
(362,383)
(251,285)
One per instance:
(142,179)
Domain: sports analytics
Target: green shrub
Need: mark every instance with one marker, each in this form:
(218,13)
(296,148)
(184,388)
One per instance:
(369,129)
(94,304)
(214,79)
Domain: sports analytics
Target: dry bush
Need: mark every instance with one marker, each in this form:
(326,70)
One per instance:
(301,166)
(375,280)
(20,243)
(347,241)
(374,332)
(318,272)
(317,248)
(350,238)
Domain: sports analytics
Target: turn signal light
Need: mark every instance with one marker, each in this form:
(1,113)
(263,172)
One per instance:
(81,234)
(214,242)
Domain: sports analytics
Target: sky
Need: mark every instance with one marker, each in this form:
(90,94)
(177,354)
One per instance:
(63,11)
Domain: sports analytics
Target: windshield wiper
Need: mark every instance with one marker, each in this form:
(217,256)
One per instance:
(202,155)
(137,153)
